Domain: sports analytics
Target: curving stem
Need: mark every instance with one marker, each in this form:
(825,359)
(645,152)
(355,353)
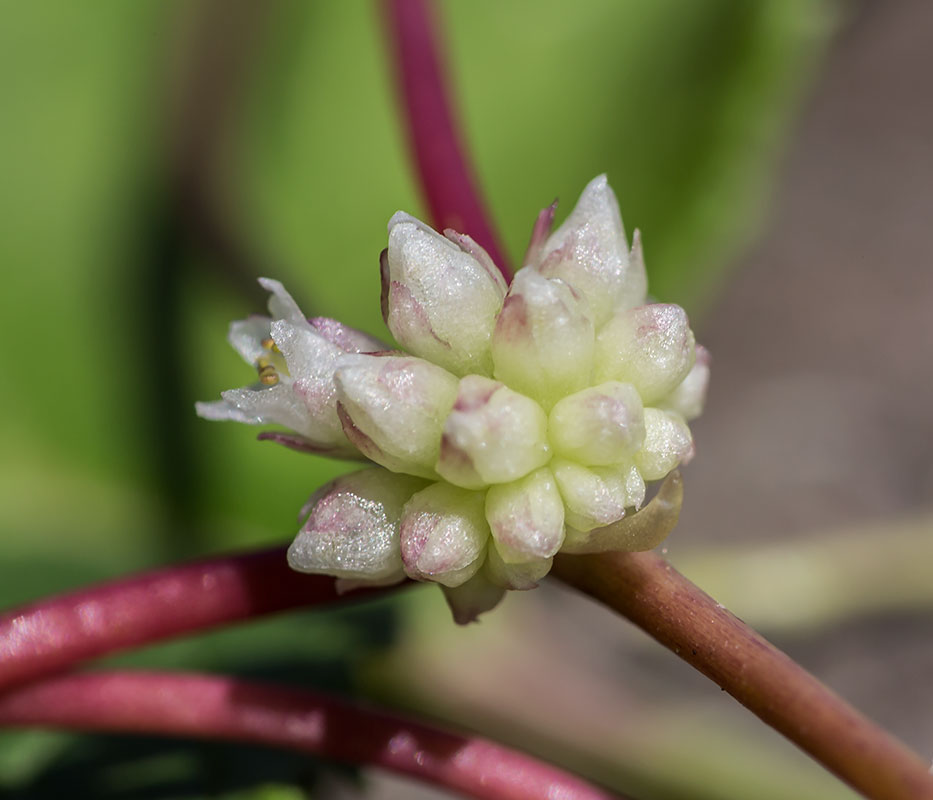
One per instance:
(446,176)
(58,632)
(213,707)
(648,591)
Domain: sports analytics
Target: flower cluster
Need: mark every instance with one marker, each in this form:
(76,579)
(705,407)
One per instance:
(520,420)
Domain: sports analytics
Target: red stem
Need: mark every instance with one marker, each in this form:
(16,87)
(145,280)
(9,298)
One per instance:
(446,176)
(227,708)
(58,632)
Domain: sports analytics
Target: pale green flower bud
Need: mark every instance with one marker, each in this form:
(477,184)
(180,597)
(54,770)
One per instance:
(526,517)
(642,531)
(543,342)
(667,443)
(492,435)
(650,346)
(589,251)
(599,426)
(689,397)
(597,496)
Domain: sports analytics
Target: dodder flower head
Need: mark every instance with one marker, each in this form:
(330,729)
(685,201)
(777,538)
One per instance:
(520,421)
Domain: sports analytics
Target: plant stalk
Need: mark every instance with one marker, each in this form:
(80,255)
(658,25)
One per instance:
(214,707)
(649,592)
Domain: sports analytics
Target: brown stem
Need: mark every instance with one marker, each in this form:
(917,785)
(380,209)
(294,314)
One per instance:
(649,592)
(215,707)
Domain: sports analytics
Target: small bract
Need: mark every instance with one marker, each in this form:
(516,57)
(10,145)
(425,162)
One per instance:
(517,421)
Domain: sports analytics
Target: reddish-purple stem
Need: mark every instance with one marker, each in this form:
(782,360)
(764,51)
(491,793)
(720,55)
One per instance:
(446,176)
(227,708)
(56,633)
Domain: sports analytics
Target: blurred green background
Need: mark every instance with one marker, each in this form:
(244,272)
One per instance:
(156,157)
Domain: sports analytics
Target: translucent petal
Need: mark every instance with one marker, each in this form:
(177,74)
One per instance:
(477,596)
(352,530)
(312,361)
(601,425)
(543,343)
(650,346)
(246,337)
(281,303)
(642,531)
(440,301)
(493,435)
(259,405)
(667,443)
(689,396)
(526,517)
(393,409)
(348,339)
(590,252)
(519,576)
(444,534)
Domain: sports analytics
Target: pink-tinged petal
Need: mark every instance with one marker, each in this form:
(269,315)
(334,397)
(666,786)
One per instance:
(667,443)
(394,408)
(635,532)
(593,497)
(543,343)
(352,530)
(477,596)
(348,339)
(312,360)
(301,444)
(539,235)
(281,304)
(650,346)
(689,397)
(519,576)
(589,251)
(492,435)
(526,517)
(444,534)
(441,301)
(468,245)
(598,426)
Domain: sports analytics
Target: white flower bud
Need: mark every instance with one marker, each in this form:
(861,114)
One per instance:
(526,517)
(667,443)
(650,346)
(599,426)
(543,408)
(444,534)
(493,435)
(543,343)
(393,409)
(589,251)
(352,530)
(440,301)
